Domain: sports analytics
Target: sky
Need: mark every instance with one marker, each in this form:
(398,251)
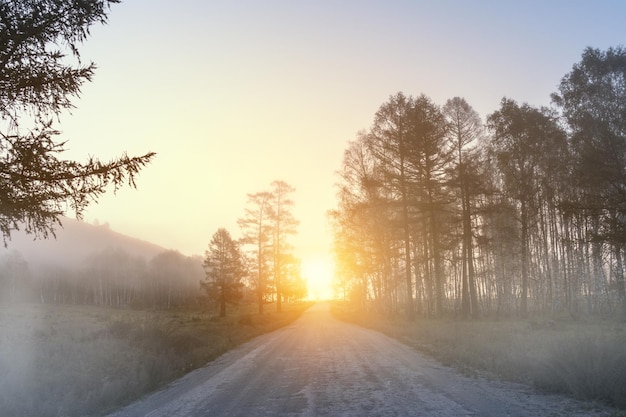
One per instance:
(233,95)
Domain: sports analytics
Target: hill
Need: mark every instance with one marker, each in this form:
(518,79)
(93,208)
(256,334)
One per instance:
(94,265)
(75,241)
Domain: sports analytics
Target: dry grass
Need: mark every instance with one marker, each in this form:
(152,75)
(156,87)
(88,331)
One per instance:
(584,359)
(86,361)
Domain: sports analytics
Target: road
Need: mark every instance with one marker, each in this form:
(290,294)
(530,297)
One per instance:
(319,366)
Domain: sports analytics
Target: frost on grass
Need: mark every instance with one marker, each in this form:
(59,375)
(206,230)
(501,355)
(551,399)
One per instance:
(59,361)
(86,361)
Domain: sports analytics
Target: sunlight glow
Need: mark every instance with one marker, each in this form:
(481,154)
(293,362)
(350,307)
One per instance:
(318,271)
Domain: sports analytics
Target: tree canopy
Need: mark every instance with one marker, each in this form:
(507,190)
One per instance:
(41,71)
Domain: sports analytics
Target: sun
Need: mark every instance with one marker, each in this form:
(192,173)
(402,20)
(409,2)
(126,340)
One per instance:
(318,271)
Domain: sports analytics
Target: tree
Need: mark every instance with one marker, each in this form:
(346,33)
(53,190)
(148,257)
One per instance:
(391,143)
(430,159)
(283,225)
(112,277)
(172,278)
(407,139)
(255,226)
(392,199)
(592,98)
(224,270)
(38,39)
(593,101)
(526,143)
(363,234)
(464,129)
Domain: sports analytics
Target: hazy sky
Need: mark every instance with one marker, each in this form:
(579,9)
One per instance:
(235,94)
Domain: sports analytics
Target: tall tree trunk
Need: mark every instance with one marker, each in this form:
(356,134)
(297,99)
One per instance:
(279,296)
(407,237)
(428,276)
(469,255)
(222,297)
(277,275)
(466,302)
(439,291)
(524,261)
(260,285)
(619,278)
(223,304)
(407,274)
(465,295)
(419,276)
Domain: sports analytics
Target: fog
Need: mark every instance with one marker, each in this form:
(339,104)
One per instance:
(60,300)
(74,241)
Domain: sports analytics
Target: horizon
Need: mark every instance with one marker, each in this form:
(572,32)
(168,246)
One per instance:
(71,247)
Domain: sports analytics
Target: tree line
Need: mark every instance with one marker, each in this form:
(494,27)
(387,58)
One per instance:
(110,278)
(258,267)
(440,212)
(262,259)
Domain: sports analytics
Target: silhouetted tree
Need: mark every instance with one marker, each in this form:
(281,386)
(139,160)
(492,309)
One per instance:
(38,39)
(431,158)
(283,225)
(393,189)
(364,236)
(465,129)
(224,270)
(256,229)
(407,139)
(526,141)
(592,98)
(391,143)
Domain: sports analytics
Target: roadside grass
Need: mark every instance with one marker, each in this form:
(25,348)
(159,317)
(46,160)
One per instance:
(585,359)
(87,361)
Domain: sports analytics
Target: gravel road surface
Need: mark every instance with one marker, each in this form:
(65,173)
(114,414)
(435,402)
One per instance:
(319,366)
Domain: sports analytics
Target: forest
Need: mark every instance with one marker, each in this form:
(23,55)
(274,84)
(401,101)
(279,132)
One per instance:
(441,213)
(112,277)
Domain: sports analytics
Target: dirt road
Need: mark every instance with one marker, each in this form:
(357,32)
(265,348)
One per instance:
(319,366)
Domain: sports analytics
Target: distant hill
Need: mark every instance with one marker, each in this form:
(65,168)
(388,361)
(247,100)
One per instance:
(74,242)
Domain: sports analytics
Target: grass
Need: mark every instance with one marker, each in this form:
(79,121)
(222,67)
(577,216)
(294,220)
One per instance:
(87,361)
(583,359)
